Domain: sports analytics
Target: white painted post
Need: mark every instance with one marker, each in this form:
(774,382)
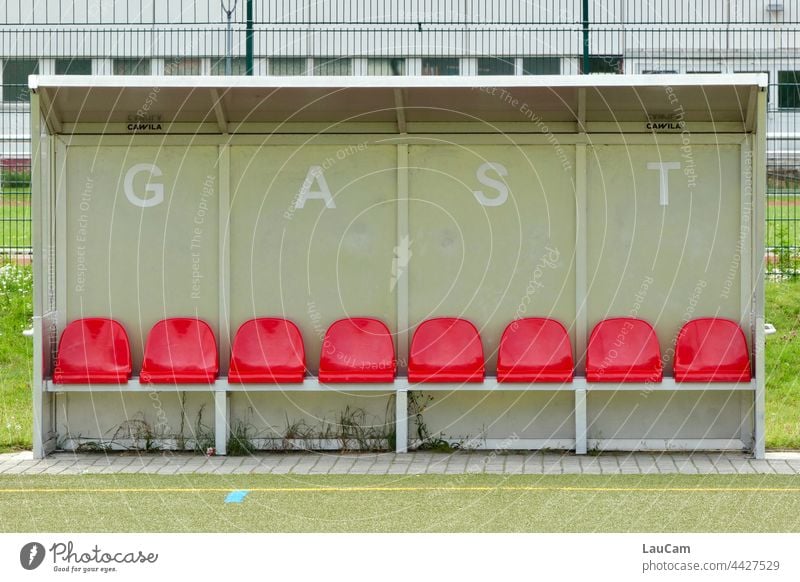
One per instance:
(580,421)
(402,259)
(401,419)
(581,284)
(581,242)
(39,276)
(221,420)
(224,257)
(747,282)
(759,205)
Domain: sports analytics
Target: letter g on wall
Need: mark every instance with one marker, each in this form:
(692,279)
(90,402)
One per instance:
(155,189)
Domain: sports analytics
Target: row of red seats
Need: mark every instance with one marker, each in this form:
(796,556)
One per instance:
(444,349)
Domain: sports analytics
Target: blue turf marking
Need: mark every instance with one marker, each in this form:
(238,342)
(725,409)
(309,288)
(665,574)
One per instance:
(236,496)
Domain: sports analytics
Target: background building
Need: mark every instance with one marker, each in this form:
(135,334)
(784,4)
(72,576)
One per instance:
(403,37)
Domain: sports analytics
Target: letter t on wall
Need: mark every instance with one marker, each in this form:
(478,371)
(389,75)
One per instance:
(663,168)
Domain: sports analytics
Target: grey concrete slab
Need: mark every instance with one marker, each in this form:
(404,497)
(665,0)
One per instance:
(414,463)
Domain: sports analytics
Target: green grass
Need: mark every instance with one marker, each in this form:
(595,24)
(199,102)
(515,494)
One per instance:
(16,354)
(783,365)
(15,192)
(423,505)
(783,231)
(15,226)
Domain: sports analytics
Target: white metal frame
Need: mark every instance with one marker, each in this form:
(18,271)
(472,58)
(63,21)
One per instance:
(464,81)
(51,137)
(222,389)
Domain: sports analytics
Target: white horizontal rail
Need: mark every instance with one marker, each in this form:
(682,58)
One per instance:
(36,82)
(402,384)
(666,444)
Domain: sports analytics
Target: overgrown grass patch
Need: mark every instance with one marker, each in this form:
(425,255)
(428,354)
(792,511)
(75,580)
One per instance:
(783,365)
(16,357)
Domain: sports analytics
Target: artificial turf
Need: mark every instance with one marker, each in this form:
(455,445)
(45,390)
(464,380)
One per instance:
(407,503)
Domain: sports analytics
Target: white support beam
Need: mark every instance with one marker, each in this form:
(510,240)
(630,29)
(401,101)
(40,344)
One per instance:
(60,167)
(666,444)
(221,421)
(400,111)
(39,275)
(50,114)
(759,221)
(752,110)
(222,385)
(401,420)
(490,384)
(580,421)
(746,209)
(192,134)
(581,250)
(402,258)
(581,113)
(219,110)
(465,81)
(224,207)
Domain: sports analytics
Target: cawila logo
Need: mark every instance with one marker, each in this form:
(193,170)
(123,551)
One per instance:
(31,555)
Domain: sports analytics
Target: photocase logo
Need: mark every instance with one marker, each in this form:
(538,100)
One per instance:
(31,555)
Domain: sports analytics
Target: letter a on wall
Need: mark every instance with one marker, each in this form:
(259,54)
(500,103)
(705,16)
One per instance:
(322,192)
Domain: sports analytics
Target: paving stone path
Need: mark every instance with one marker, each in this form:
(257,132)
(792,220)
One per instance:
(415,463)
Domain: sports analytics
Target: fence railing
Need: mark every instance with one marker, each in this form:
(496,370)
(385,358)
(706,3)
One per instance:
(410,37)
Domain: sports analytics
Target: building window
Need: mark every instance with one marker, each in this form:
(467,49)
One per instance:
(658,72)
(182,66)
(15,78)
(131,66)
(288,66)
(440,66)
(604,64)
(496,65)
(541,66)
(789,89)
(73,66)
(238,66)
(386,67)
(333,66)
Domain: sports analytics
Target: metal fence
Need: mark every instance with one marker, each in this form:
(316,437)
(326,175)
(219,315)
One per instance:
(407,37)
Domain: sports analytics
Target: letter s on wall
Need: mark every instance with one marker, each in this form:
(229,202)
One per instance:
(486,180)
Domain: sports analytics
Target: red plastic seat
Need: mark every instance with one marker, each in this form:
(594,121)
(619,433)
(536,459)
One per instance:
(446,349)
(623,349)
(94,350)
(711,349)
(267,350)
(180,350)
(358,349)
(535,349)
